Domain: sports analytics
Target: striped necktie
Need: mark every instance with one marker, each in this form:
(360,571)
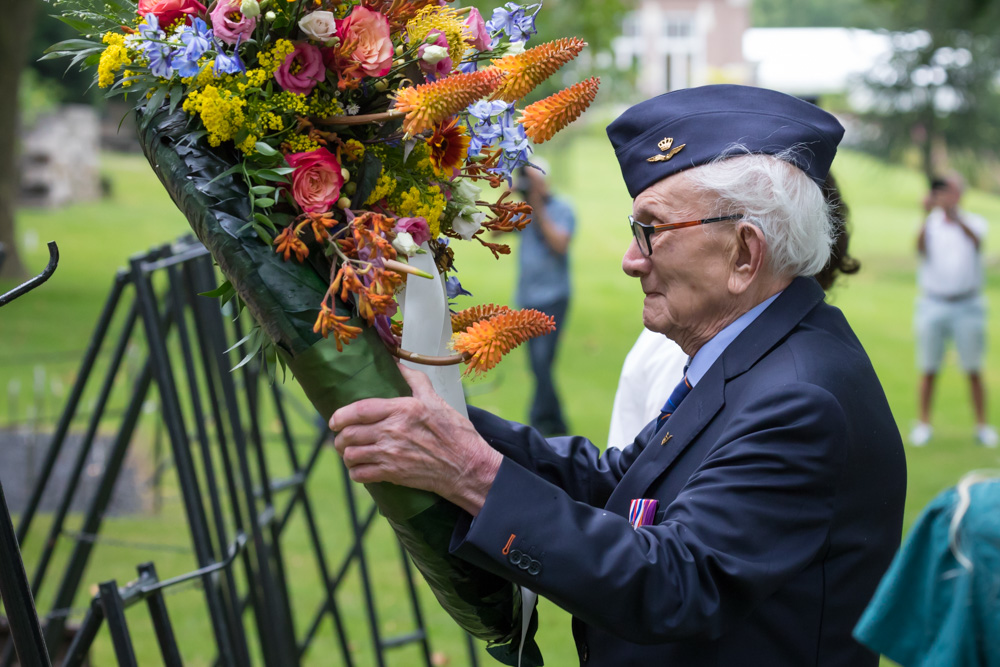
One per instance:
(682,389)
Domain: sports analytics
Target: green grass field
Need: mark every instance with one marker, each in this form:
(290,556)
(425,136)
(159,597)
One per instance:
(51,327)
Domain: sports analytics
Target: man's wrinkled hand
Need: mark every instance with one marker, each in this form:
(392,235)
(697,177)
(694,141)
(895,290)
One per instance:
(417,441)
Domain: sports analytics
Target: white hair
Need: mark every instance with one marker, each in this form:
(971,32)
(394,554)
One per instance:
(779,199)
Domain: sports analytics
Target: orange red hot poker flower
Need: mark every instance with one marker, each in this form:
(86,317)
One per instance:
(544,118)
(488,340)
(430,103)
(522,73)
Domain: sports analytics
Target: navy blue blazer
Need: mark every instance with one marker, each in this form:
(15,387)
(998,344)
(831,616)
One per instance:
(780,481)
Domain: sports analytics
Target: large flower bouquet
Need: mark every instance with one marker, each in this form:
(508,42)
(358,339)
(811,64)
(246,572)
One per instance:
(321,149)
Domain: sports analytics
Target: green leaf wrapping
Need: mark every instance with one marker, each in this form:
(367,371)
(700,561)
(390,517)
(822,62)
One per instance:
(283,298)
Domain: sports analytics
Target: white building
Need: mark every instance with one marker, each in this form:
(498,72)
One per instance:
(683,43)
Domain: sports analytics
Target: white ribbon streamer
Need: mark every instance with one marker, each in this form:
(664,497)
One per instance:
(427,329)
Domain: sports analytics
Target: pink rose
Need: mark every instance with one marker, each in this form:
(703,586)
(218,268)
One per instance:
(302,70)
(168,11)
(433,55)
(229,23)
(479,36)
(415,227)
(370,31)
(316,181)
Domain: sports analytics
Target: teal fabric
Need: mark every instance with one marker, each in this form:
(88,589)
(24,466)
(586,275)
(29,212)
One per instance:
(929,610)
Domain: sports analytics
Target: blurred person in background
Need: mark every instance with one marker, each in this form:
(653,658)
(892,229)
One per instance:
(938,602)
(951,304)
(543,283)
(655,363)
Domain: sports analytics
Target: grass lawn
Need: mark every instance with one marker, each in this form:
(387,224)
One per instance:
(42,337)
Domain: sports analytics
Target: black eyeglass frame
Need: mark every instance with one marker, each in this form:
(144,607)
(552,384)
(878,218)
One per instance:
(644,240)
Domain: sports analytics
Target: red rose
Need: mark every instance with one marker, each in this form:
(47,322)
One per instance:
(168,11)
(316,181)
(370,30)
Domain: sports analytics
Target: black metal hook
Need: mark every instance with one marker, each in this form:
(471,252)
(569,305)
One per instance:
(37,280)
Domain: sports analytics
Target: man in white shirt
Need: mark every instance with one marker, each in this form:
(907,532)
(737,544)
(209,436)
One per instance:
(951,303)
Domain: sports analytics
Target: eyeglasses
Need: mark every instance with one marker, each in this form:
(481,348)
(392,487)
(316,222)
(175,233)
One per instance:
(643,233)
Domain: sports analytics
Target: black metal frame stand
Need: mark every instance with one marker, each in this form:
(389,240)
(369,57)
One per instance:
(25,631)
(231,502)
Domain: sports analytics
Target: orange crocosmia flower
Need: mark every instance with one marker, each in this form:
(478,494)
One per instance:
(487,341)
(288,242)
(449,144)
(544,118)
(321,222)
(349,281)
(329,321)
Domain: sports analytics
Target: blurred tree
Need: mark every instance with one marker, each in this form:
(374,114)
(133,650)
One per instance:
(15,33)
(73,85)
(940,88)
(597,21)
(819,14)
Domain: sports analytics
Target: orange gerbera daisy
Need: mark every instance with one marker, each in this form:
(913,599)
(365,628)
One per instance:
(448,144)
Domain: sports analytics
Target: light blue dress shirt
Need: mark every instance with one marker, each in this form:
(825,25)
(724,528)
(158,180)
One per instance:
(713,349)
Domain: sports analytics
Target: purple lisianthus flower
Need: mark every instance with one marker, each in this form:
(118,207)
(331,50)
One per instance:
(415,227)
(434,62)
(383,325)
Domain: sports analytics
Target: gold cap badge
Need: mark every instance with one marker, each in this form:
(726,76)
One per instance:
(665,146)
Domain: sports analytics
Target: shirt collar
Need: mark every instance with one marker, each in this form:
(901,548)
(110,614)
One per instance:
(713,349)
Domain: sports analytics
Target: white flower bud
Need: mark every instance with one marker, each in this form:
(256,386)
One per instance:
(434,54)
(270,16)
(250,8)
(403,243)
(514,48)
(468,221)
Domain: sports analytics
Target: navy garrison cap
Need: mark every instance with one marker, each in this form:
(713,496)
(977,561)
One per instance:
(690,127)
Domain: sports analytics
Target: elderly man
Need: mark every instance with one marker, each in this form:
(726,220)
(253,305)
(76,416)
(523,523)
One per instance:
(751,522)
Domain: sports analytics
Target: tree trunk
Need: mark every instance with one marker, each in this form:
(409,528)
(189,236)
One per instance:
(15,36)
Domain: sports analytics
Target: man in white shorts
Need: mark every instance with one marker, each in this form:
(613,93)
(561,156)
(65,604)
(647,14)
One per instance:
(951,303)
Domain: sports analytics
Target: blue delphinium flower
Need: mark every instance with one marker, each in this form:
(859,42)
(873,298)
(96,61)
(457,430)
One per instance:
(454,288)
(493,122)
(486,131)
(514,21)
(160,60)
(197,38)
(516,150)
(229,64)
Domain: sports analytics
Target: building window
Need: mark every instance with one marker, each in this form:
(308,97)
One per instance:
(679,27)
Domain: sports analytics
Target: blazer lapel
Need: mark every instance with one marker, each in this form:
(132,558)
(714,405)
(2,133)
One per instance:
(666,443)
(708,396)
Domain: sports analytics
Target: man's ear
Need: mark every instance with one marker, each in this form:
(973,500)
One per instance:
(749,252)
